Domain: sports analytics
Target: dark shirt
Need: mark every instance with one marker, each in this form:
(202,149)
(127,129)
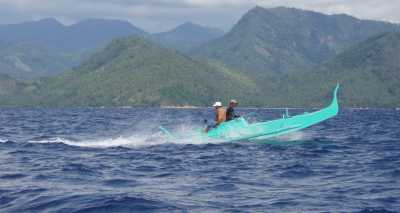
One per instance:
(230,114)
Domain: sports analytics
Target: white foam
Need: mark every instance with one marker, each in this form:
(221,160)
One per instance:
(148,139)
(133,140)
(294,136)
(121,141)
(51,140)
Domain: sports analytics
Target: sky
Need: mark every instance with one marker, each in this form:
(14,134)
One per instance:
(161,15)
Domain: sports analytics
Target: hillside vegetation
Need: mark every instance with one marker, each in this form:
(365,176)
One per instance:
(134,71)
(281,40)
(278,57)
(368,72)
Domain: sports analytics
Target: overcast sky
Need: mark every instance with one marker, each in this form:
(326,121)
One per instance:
(161,15)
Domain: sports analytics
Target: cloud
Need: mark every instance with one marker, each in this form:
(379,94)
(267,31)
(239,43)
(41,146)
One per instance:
(160,15)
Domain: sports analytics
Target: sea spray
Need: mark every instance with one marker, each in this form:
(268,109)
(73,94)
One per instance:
(141,133)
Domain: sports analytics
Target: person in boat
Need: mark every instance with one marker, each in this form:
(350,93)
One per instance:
(230,112)
(220,115)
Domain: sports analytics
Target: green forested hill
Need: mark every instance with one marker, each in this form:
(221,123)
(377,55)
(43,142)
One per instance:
(134,71)
(368,72)
(279,40)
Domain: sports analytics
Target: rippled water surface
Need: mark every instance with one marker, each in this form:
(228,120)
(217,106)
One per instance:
(116,160)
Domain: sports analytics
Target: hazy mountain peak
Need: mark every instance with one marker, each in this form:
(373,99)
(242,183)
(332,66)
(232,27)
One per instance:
(49,21)
(261,10)
(191,27)
(189,24)
(256,9)
(187,27)
(279,12)
(187,36)
(98,21)
(111,25)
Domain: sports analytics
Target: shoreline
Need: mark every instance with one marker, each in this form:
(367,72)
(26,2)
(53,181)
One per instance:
(192,107)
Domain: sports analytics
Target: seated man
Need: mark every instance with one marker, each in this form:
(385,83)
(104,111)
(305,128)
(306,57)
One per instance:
(230,112)
(220,115)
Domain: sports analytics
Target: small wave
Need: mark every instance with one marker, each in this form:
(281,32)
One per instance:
(4,200)
(120,182)
(127,204)
(132,141)
(50,140)
(375,209)
(13,176)
(144,139)
(94,203)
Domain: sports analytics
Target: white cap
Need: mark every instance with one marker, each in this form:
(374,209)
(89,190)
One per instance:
(217,104)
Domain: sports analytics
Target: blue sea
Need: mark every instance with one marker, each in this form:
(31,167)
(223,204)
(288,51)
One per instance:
(116,160)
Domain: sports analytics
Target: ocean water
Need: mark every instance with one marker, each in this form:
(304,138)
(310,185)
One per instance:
(116,160)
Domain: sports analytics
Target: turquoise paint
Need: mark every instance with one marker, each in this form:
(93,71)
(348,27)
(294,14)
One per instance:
(240,129)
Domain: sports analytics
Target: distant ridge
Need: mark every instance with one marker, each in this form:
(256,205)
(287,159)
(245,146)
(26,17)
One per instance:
(187,36)
(281,40)
(88,33)
(46,47)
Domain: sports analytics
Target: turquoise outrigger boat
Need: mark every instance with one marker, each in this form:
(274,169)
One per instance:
(240,129)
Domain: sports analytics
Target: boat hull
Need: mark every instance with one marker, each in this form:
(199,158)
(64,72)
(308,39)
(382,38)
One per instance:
(240,129)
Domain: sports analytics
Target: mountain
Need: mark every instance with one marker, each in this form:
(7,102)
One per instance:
(281,40)
(46,47)
(276,57)
(90,33)
(368,72)
(95,33)
(45,31)
(136,72)
(32,60)
(187,36)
